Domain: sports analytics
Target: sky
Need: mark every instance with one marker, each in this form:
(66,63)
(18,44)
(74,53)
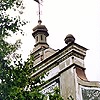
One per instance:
(81,18)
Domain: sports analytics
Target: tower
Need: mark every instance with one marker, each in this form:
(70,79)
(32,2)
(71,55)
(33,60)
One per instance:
(40,34)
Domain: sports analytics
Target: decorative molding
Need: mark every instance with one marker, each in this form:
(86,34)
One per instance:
(59,57)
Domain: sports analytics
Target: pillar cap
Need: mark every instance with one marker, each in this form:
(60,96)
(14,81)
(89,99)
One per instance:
(69,39)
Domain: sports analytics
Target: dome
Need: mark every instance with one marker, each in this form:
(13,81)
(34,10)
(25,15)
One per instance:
(69,39)
(40,28)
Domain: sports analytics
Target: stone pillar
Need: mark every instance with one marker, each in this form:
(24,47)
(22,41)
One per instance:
(70,68)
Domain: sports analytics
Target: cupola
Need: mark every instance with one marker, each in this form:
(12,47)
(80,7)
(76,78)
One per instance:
(40,34)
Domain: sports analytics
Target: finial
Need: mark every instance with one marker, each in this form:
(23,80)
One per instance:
(39,21)
(69,39)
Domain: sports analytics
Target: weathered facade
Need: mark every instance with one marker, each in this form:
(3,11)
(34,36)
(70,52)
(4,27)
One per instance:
(65,67)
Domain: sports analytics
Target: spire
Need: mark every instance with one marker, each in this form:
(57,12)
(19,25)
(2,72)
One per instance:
(39,5)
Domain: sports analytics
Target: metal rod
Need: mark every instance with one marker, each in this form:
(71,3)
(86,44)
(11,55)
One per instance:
(39,10)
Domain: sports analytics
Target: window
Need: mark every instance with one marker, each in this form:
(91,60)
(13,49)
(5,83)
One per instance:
(41,37)
(36,38)
(45,38)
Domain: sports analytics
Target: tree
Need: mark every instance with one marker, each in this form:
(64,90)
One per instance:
(15,80)
(55,95)
(7,25)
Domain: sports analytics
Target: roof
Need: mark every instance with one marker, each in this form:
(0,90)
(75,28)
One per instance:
(40,28)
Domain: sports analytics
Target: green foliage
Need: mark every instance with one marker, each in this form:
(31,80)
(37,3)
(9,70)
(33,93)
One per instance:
(13,78)
(16,83)
(55,95)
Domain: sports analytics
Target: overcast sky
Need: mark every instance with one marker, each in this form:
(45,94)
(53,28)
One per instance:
(78,17)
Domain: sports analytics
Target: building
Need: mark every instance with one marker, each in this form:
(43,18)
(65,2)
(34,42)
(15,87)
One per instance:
(65,67)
